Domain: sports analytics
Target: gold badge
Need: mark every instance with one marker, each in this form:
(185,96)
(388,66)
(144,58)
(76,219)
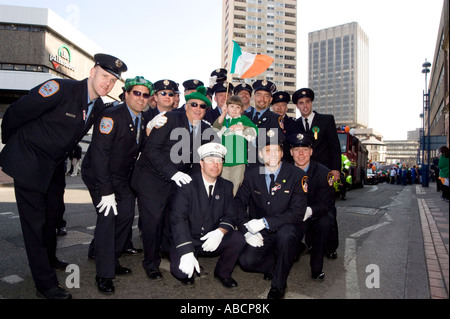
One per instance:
(264,83)
(166,82)
(195,82)
(330,178)
(304,93)
(119,63)
(270,133)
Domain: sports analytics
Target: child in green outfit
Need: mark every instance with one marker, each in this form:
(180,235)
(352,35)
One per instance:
(235,130)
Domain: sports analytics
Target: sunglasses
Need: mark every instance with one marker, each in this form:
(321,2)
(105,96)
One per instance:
(144,95)
(165,93)
(203,106)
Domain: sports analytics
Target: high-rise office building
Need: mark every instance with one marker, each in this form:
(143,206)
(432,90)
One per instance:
(266,27)
(339,73)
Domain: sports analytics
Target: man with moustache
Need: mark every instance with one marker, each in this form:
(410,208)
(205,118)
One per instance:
(244,91)
(39,131)
(106,171)
(166,162)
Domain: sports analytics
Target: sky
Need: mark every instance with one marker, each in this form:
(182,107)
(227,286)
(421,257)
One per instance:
(181,40)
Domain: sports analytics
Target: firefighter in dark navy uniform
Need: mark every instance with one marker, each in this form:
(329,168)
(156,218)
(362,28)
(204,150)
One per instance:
(39,131)
(279,106)
(262,116)
(106,171)
(203,218)
(327,149)
(317,220)
(165,163)
(271,204)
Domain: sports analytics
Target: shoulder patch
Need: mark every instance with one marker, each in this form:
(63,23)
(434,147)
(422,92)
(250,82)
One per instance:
(106,125)
(49,88)
(305,183)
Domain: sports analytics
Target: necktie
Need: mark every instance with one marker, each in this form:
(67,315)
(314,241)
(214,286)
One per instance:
(210,192)
(256,117)
(87,111)
(306,125)
(272,183)
(138,131)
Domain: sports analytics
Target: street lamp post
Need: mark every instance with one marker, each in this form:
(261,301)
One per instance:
(426,108)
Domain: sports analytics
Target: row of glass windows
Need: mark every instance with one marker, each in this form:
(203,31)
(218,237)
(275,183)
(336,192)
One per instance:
(23,67)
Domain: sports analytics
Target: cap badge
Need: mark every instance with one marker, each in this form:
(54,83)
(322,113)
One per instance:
(244,85)
(304,93)
(218,70)
(166,82)
(270,133)
(300,137)
(119,63)
(264,83)
(280,96)
(195,82)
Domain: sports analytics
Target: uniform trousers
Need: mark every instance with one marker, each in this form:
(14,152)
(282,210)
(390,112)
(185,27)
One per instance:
(153,207)
(316,237)
(333,236)
(111,232)
(39,213)
(229,250)
(276,256)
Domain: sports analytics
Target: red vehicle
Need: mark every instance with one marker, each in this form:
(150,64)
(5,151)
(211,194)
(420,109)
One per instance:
(357,154)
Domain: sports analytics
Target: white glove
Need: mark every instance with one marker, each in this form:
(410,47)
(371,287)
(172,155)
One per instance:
(188,263)
(255,225)
(106,203)
(308,213)
(255,240)
(158,121)
(212,240)
(181,178)
(212,81)
(221,131)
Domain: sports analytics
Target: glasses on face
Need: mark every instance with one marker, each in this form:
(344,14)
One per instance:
(203,106)
(163,93)
(144,95)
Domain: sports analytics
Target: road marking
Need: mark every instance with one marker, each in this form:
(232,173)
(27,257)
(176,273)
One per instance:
(13,279)
(368,229)
(351,274)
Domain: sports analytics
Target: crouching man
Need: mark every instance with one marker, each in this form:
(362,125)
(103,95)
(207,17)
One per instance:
(203,219)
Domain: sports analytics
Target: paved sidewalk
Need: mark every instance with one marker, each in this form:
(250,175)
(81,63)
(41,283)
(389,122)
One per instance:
(435,223)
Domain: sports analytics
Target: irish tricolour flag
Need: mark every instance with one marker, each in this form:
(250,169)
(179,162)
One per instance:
(247,65)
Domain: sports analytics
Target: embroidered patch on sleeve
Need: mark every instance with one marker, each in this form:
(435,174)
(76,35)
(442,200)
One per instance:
(106,125)
(305,183)
(49,88)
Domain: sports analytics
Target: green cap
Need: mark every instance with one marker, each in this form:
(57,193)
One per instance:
(139,80)
(200,94)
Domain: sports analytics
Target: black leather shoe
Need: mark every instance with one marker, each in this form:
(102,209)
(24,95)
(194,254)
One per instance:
(275,293)
(59,264)
(104,285)
(188,281)
(57,292)
(154,274)
(318,275)
(132,251)
(268,276)
(227,282)
(332,255)
(120,270)
(61,231)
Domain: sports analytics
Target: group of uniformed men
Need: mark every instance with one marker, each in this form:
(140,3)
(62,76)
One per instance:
(170,161)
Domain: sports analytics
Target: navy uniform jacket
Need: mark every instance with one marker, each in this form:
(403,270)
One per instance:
(41,129)
(113,151)
(168,142)
(286,205)
(320,189)
(193,216)
(268,120)
(326,147)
